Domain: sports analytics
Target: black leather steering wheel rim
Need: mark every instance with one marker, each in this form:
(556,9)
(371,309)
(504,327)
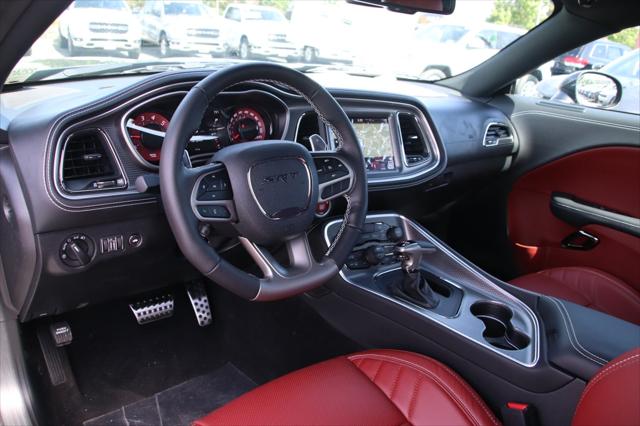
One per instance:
(176,181)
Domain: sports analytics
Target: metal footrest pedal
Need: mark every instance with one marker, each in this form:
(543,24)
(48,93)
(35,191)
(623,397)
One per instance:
(152,308)
(200,303)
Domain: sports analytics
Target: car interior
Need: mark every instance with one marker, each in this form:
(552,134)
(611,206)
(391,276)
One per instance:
(354,251)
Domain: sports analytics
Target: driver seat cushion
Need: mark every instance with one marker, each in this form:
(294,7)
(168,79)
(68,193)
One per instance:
(381,387)
(589,287)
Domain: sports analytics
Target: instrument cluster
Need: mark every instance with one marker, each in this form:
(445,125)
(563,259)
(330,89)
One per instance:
(231,119)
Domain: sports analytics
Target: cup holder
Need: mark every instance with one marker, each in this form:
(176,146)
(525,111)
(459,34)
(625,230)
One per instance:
(499,330)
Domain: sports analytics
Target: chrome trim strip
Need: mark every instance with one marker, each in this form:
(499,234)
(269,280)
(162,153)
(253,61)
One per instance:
(53,147)
(421,130)
(59,165)
(127,115)
(423,123)
(535,337)
(229,204)
(498,141)
(323,185)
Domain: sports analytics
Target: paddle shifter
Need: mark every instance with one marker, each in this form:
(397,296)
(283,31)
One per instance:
(414,287)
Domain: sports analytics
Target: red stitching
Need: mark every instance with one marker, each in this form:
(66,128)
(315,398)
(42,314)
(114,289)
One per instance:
(604,373)
(442,385)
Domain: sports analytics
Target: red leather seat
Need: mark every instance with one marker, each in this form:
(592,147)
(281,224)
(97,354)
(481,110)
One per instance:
(587,287)
(384,387)
(612,397)
(388,387)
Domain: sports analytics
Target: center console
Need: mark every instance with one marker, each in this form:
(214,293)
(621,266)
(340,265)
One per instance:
(397,260)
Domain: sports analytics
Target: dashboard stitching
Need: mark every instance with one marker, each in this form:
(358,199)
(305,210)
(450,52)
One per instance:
(565,117)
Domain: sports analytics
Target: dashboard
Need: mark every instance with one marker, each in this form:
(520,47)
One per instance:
(79,169)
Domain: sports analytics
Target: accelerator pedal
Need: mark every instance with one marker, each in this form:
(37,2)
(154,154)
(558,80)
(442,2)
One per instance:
(200,303)
(153,308)
(52,338)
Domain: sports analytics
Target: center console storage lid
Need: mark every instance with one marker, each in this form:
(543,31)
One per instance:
(581,340)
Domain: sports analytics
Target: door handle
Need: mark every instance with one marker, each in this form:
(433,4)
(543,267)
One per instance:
(581,240)
(581,213)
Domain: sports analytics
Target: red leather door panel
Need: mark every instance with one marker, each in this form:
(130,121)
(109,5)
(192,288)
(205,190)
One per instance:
(608,177)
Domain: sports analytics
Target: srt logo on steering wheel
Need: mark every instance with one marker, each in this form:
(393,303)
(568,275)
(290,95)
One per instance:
(284,177)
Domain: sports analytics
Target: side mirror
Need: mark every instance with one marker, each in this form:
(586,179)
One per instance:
(593,89)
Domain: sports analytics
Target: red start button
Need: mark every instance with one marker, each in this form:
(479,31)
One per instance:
(323,208)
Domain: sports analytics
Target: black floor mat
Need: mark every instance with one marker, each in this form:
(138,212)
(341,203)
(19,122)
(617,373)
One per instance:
(181,404)
(117,362)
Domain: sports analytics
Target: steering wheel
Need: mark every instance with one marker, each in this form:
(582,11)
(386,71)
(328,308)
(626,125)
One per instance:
(275,186)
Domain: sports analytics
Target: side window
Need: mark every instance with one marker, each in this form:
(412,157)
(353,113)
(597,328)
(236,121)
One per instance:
(599,51)
(617,56)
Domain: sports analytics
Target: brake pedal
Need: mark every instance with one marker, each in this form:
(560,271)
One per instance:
(152,308)
(200,303)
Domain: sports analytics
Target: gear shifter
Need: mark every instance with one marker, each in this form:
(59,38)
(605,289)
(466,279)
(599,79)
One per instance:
(414,287)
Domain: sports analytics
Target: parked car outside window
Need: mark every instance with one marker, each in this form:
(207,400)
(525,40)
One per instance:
(590,56)
(99,25)
(181,27)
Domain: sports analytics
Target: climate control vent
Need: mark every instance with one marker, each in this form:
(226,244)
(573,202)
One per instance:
(497,134)
(88,164)
(413,142)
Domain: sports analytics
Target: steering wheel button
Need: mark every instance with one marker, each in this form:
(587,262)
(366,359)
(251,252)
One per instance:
(214,185)
(218,212)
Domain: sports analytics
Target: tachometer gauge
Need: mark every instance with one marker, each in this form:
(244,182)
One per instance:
(246,124)
(146,131)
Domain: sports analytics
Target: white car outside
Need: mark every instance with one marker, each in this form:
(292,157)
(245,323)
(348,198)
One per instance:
(309,21)
(259,31)
(99,24)
(449,48)
(181,26)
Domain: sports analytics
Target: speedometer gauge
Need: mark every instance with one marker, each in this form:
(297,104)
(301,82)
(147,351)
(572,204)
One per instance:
(147,134)
(246,124)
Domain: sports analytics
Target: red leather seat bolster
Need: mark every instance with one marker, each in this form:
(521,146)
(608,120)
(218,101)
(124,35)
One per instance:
(382,387)
(587,287)
(612,397)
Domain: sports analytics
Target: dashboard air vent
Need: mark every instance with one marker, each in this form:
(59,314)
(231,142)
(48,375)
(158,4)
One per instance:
(307,126)
(87,164)
(413,142)
(497,134)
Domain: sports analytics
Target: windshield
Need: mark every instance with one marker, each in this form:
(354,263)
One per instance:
(104,37)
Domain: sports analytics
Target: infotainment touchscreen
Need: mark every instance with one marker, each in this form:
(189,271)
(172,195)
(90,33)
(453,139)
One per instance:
(375,138)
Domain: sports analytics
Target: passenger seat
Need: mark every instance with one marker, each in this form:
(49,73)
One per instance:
(589,287)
